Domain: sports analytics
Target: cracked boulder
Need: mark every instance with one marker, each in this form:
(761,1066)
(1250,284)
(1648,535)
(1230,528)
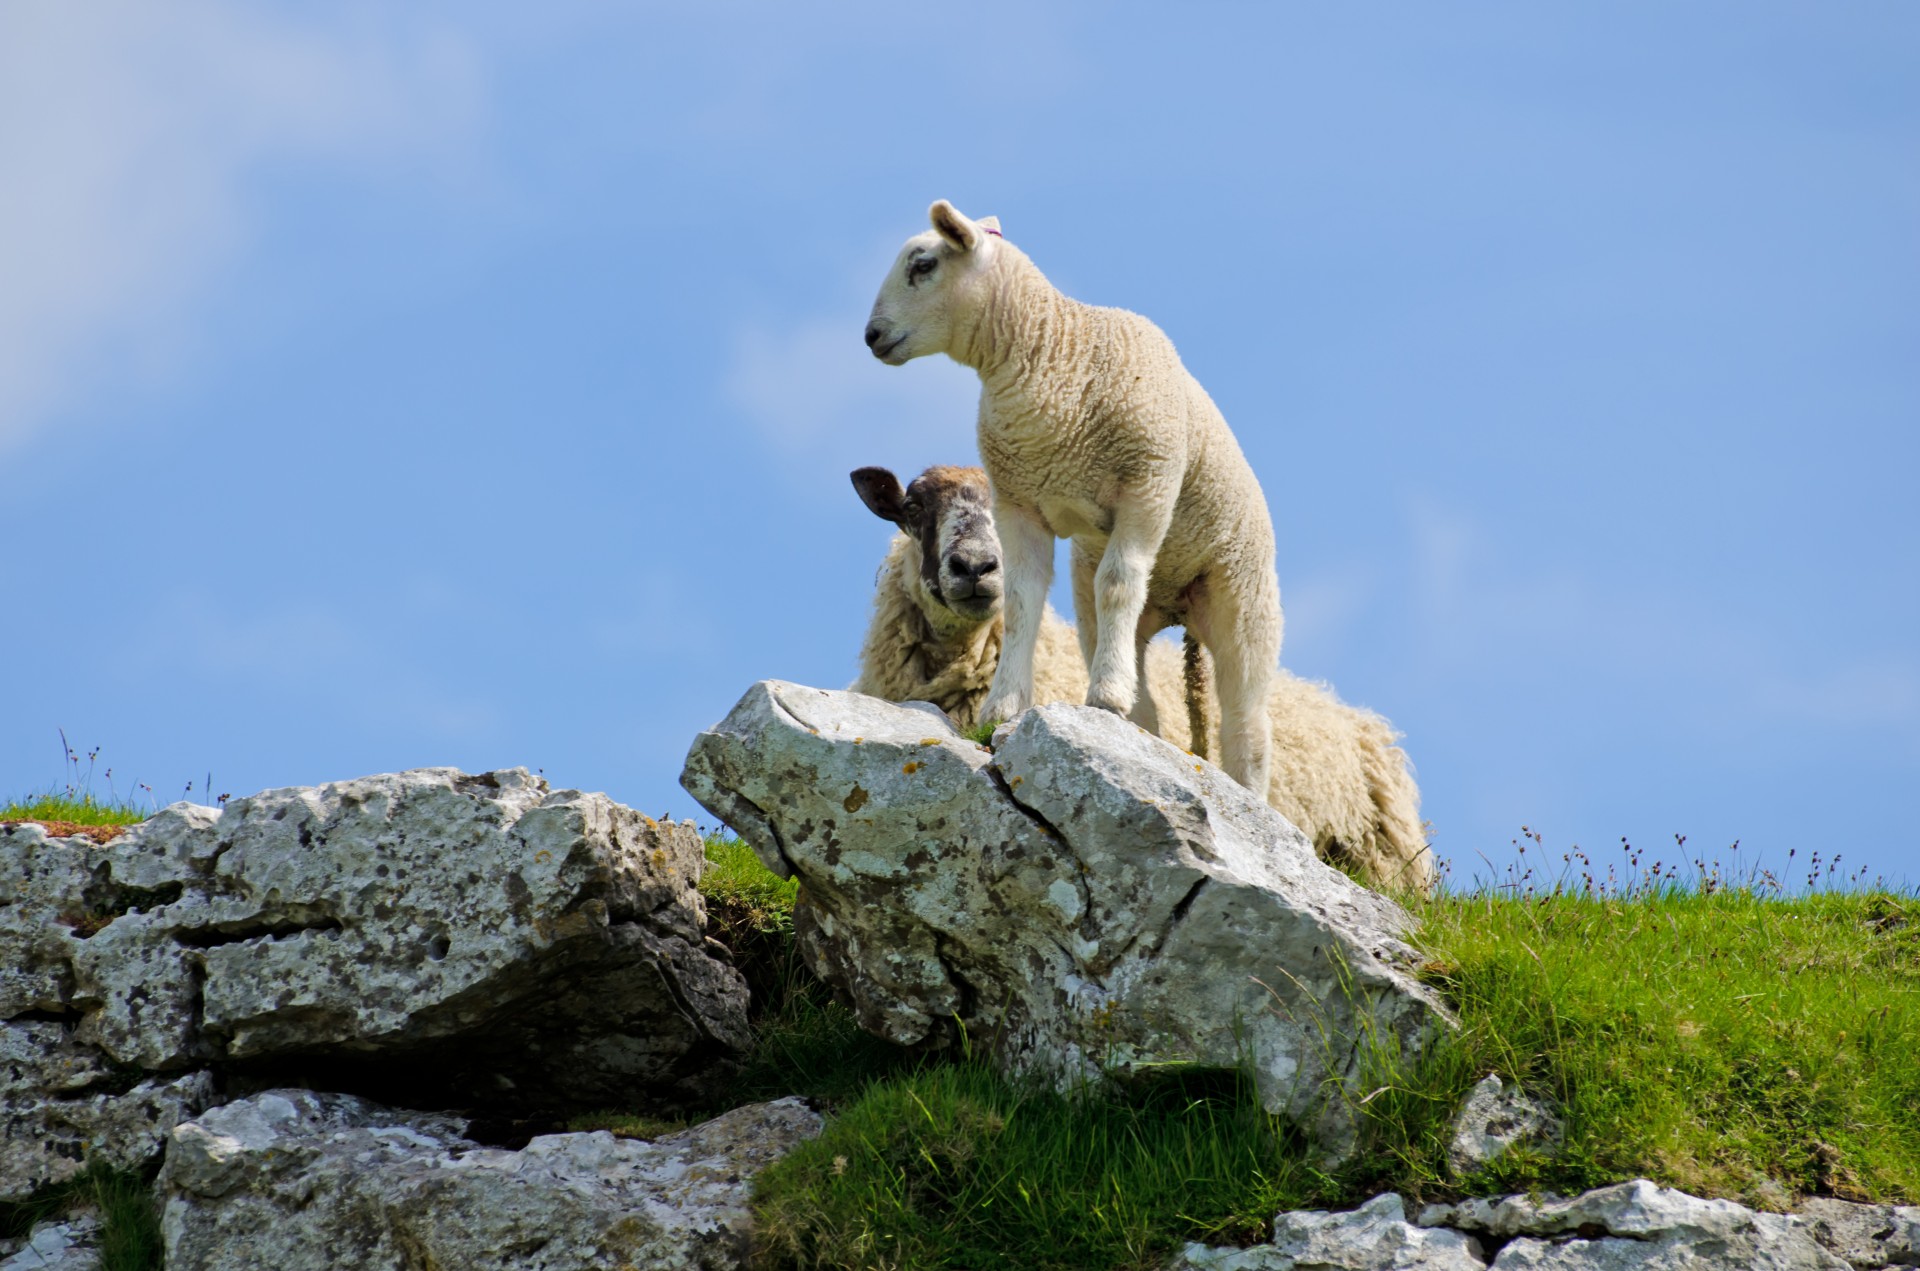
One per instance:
(1086,900)
(296,1181)
(427,935)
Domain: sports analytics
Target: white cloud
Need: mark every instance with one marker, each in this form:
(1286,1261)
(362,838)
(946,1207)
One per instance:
(127,131)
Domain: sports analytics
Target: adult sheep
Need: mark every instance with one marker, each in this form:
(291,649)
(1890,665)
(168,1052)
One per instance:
(1091,429)
(936,636)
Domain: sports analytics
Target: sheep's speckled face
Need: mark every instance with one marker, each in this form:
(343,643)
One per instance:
(948,513)
(913,315)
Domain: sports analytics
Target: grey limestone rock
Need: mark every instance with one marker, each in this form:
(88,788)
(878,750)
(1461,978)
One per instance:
(1766,1247)
(1085,900)
(459,938)
(299,1181)
(1374,1237)
(1494,1121)
(1865,1235)
(1637,1225)
(63,1103)
(70,1243)
(1634,1226)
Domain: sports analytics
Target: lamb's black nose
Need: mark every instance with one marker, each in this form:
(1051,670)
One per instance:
(873,336)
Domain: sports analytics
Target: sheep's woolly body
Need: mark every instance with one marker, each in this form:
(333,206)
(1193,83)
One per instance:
(1337,772)
(908,658)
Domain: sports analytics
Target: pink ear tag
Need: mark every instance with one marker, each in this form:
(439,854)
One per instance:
(996,233)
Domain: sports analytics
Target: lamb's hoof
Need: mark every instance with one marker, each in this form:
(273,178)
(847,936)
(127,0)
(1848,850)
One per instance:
(1111,702)
(1001,711)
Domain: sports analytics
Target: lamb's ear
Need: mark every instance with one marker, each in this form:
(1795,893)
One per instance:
(952,226)
(880,490)
(991,224)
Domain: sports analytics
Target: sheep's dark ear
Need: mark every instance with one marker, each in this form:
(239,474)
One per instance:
(880,490)
(952,226)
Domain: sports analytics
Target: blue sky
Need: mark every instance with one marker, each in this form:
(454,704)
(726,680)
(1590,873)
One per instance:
(476,385)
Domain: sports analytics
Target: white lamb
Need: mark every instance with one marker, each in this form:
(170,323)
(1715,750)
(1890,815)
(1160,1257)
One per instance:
(1091,429)
(936,637)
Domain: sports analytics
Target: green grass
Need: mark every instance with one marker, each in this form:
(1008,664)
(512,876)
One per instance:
(129,1223)
(1710,1037)
(81,809)
(1709,1040)
(981,733)
(954,1166)
(74,800)
(804,1041)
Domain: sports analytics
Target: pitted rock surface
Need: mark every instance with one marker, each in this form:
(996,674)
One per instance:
(1374,1237)
(468,938)
(1494,1121)
(1085,900)
(298,1181)
(1866,1235)
(1633,1226)
(1637,1225)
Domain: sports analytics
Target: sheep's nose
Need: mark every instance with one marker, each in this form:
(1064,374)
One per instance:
(873,336)
(975,569)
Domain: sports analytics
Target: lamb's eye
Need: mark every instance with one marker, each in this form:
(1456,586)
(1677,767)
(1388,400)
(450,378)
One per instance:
(921,267)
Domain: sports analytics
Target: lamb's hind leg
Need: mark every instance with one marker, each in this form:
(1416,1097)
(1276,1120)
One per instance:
(1080,568)
(1146,711)
(1242,631)
(1026,548)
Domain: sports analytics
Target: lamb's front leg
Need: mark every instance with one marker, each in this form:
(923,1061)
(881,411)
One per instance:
(1026,553)
(1140,525)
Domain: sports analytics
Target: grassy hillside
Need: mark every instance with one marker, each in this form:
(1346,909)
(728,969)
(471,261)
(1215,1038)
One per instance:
(1732,1040)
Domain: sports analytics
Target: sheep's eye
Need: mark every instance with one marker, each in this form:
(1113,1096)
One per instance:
(921,267)
(912,508)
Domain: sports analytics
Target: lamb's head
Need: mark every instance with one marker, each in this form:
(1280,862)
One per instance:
(934,288)
(948,513)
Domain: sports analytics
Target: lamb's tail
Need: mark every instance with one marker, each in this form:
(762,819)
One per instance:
(1198,677)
